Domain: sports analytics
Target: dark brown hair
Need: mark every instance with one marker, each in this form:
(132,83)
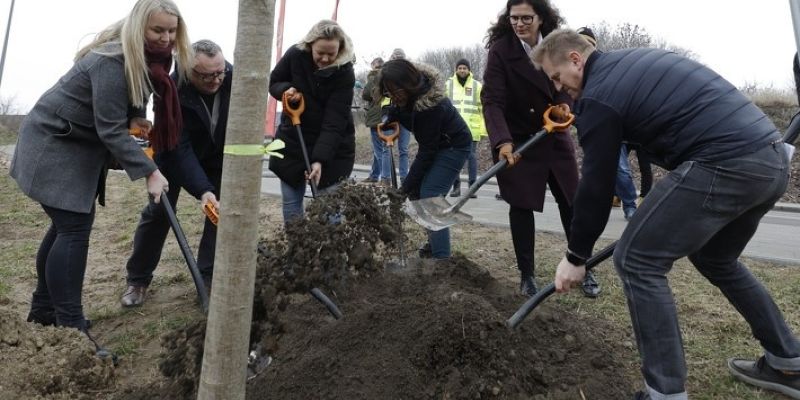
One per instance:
(551,20)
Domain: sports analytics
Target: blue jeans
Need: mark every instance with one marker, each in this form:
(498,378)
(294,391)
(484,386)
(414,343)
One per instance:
(381,169)
(709,211)
(292,199)
(402,149)
(472,167)
(437,182)
(625,189)
(60,268)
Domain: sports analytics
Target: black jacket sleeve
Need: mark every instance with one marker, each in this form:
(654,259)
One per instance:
(183,166)
(600,135)
(427,128)
(280,79)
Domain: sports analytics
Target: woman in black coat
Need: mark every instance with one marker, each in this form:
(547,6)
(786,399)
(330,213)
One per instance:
(320,69)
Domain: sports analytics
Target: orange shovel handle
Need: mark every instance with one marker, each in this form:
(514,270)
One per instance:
(390,138)
(211,213)
(560,112)
(294,113)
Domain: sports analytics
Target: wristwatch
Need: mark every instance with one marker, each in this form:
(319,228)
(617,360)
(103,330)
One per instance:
(575,259)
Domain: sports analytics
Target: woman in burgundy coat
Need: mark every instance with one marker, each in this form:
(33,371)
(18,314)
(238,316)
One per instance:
(515,95)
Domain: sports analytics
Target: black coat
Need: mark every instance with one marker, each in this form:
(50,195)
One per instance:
(327,122)
(515,95)
(674,108)
(197,161)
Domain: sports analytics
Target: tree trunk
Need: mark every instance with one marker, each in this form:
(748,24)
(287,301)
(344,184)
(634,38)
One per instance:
(224,370)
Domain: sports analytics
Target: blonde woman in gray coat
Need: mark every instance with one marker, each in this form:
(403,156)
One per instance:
(82,123)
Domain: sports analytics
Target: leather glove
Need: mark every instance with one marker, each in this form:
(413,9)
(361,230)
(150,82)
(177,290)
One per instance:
(506,152)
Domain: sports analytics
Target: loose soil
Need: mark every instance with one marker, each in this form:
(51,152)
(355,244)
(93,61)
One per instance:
(426,330)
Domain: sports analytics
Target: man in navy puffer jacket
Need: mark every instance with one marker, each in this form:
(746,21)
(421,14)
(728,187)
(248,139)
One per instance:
(727,166)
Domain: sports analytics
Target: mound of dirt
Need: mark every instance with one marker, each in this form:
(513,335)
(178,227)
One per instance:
(435,330)
(427,330)
(56,363)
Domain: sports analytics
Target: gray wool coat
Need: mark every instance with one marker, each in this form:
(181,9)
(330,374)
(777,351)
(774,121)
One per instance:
(73,131)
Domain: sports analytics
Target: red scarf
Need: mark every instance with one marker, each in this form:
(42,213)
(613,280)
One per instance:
(168,122)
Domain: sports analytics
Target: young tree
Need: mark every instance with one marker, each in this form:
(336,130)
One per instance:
(224,370)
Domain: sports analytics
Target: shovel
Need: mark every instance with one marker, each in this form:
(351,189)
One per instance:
(294,114)
(202,293)
(389,140)
(548,290)
(435,213)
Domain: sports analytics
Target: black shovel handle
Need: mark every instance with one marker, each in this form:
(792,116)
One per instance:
(548,290)
(294,113)
(327,302)
(187,252)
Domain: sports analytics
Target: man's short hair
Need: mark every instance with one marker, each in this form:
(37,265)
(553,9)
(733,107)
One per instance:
(206,47)
(558,44)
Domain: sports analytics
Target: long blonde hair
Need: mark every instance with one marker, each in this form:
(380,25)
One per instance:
(130,32)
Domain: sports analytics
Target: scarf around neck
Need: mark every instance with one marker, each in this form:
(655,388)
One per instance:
(168,121)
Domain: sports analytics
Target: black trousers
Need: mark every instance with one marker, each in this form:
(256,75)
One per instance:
(523,226)
(148,241)
(60,268)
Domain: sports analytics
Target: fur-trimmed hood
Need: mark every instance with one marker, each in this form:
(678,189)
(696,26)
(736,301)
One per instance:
(428,99)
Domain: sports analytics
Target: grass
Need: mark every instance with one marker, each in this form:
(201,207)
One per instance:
(712,329)
(7,136)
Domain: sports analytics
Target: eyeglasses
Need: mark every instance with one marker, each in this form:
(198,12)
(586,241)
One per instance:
(211,77)
(525,19)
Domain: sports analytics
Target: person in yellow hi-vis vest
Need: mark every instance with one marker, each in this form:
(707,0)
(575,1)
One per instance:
(465,93)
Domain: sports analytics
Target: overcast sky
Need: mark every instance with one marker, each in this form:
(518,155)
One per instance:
(745,41)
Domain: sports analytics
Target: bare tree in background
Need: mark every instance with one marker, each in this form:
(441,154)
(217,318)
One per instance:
(224,370)
(445,59)
(8,106)
(626,36)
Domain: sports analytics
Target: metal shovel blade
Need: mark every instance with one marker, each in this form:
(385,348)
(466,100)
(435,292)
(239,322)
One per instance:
(434,213)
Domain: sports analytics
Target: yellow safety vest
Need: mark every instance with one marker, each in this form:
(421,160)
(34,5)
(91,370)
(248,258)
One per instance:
(467,100)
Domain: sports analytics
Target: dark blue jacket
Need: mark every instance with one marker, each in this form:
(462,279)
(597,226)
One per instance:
(676,109)
(436,125)
(197,161)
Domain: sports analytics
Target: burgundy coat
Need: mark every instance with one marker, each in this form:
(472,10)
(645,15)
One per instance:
(515,95)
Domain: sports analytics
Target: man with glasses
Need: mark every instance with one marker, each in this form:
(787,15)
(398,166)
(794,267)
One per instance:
(195,165)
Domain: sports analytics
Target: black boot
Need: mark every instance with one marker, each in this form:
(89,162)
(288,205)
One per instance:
(527,287)
(456,192)
(42,318)
(474,195)
(425,250)
(590,286)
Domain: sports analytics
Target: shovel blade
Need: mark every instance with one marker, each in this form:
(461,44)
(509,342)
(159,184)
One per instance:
(434,213)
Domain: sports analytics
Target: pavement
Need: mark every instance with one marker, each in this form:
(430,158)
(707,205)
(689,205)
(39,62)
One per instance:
(776,240)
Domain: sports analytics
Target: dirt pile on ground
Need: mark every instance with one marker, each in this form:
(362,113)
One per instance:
(342,238)
(435,330)
(427,330)
(56,363)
